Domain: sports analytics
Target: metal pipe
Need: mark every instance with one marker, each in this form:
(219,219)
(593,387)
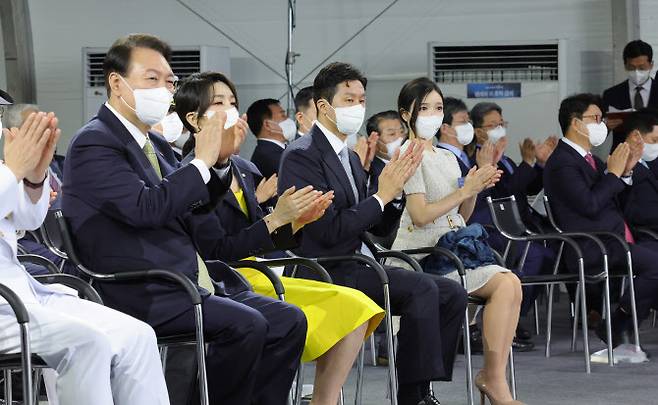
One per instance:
(201,356)
(608,318)
(359,376)
(631,285)
(583,315)
(391,349)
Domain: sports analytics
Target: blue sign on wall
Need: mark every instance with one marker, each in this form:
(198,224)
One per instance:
(493,90)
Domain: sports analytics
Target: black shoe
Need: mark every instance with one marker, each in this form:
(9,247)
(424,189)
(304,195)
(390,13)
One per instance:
(522,333)
(620,329)
(522,345)
(429,399)
(477,347)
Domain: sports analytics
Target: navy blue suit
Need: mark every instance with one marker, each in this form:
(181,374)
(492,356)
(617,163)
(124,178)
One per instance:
(125,218)
(641,201)
(267,157)
(431,307)
(584,199)
(619,97)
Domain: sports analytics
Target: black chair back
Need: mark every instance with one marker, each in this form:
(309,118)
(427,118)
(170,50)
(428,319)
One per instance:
(549,214)
(506,216)
(51,235)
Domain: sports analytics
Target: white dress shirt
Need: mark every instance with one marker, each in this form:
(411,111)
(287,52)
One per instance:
(582,151)
(645,91)
(140,138)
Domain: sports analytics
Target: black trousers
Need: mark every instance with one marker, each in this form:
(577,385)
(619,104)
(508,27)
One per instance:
(432,311)
(254,348)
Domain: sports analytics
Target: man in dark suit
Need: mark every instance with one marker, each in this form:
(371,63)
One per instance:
(391,134)
(132,206)
(641,200)
(521,181)
(636,92)
(305,113)
(431,308)
(584,191)
(266,120)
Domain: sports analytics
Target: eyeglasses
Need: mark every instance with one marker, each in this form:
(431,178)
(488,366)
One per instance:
(596,117)
(492,126)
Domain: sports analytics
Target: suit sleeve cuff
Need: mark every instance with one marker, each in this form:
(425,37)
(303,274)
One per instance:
(203,170)
(379,200)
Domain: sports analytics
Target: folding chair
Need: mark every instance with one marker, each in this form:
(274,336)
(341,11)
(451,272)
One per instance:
(629,274)
(39,261)
(507,220)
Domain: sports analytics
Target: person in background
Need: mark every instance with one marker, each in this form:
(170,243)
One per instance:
(521,181)
(641,201)
(438,204)
(101,355)
(274,129)
(305,113)
(457,131)
(390,133)
(431,308)
(636,92)
(172,130)
(584,193)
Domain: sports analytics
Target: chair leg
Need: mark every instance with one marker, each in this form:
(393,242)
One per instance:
(341,397)
(8,388)
(163,357)
(512,372)
(299,384)
(373,350)
(359,376)
(576,314)
(536,317)
(36,384)
(631,285)
(201,356)
(392,373)
(653,320)
(549,320)
(608,317)
(468,359)
(583,315)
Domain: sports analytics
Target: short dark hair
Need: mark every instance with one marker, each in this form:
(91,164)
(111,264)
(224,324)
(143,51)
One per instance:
(326,82)
(303,98)
(574,107)
(642,120)
(118,57)
(373,122)
(452,106)
(637,48)
(480,110)
(258,112)
(194,95)
(413,93)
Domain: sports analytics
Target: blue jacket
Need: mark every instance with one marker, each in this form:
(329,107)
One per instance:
(469,244)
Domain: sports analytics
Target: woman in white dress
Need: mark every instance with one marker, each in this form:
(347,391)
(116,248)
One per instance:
(438,201)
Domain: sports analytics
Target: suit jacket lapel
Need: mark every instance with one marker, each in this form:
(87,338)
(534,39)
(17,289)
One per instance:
(331,160)
(653,94)
(249,192)
(147,171)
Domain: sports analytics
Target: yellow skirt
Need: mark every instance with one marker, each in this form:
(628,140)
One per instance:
(332,311)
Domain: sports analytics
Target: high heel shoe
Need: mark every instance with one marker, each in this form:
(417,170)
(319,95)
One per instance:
(484,392)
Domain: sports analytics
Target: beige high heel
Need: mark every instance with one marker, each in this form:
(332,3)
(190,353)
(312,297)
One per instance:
(484,392)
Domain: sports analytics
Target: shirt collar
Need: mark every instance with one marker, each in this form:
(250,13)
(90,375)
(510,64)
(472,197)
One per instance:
(646,85)
(643,163)
(336,143)
(383,160)
(274,141)
(139,137)
(575,146)
(451,148)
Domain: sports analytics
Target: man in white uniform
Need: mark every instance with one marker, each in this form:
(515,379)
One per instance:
(100,356)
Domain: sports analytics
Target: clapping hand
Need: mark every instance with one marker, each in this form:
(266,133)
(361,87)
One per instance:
(266,189)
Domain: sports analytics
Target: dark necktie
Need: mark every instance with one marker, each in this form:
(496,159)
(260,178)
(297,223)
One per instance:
(638,101)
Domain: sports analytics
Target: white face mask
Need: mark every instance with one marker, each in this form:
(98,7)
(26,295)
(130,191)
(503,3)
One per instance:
(650,152)
(172,127)
(349,119)
(497,134)
(180,142)
(428,126)
(393,147)
(151,105)
(232,116)
(289,129)
(638,77)
(465,133)
(597,133)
